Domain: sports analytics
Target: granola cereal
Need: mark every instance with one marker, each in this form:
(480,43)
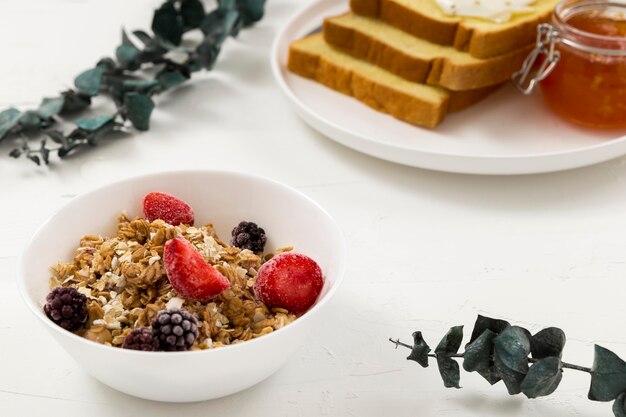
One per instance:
(124,280)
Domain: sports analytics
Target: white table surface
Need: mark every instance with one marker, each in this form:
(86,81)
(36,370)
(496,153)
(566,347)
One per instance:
(427,250)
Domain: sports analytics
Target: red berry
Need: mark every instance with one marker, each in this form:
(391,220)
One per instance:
(289,280)
(189,273)
(167,208)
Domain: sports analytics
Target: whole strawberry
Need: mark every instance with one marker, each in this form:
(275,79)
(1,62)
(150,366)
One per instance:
(289,280)
(167,208)
(189,273)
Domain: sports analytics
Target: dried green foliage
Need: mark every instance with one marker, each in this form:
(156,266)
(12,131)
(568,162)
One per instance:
(511,349)
(547,342)
(420,350)
(142,69)
(608,375)
(8,121)
(528,364)
(619,406)
(448,367)
(543,377)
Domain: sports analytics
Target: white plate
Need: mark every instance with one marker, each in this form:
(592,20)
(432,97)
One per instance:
(505,134)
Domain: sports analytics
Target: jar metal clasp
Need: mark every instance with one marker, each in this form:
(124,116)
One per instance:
(527,78)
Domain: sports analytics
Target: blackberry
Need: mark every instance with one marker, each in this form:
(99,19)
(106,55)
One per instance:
(175,329)
(141,339)
(248,235)
(67,308)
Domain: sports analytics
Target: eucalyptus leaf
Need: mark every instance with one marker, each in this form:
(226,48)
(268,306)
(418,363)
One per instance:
(543,377)
(251,10)
(227,4)
(8,120)
(213,23)
(232,22)
(140,85)
(35,159)
(448,367)
(478,354)
(143,37)
(94,137)
(166,23)
(491,375)
(511,349)
(420,350)
(57,137)
(483,323)
(50,107)
(619,406)
(207,55)
(608,375)
(74,102)
(169,79)
(193,65)
(30,120)
(126,40)
(94,123)
(44,152)
(449,371)
(219,24)
(548,342)
(88,82)
(139,108)
(152,54)
(66,151)
(451,342)
(107,64)
(192,13)
(127,56)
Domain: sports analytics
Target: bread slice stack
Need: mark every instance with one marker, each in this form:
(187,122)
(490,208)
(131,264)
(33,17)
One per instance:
(409,59)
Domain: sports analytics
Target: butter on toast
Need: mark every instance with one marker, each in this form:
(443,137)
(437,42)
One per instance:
(415,103)
(416,59)
(480,38)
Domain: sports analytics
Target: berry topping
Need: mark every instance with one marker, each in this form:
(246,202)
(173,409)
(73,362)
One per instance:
(189,273)
(167,208)
(248,235)
(289,280)
(141,339)
(175,329)
(67,308)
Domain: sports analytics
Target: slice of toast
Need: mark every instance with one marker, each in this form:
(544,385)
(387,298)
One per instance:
(419,104)
(479,37)
(416,59)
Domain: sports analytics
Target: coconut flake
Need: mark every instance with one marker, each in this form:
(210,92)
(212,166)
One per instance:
(175,303)
(153,259)
(85,291)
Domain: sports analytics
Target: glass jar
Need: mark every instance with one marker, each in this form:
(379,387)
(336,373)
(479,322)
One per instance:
(580,63)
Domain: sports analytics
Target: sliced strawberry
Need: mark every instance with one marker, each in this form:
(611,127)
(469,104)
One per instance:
(289,280)
(167,208)
(189,273)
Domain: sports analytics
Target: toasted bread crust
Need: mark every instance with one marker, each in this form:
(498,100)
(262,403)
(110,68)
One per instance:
(381,97)
(438,71)
(461,34)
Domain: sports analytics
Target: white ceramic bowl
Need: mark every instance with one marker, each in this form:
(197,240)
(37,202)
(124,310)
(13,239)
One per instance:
(224,199)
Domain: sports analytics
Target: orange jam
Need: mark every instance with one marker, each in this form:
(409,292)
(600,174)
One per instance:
(588,84)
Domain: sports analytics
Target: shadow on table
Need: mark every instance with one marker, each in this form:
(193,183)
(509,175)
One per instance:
(574,189)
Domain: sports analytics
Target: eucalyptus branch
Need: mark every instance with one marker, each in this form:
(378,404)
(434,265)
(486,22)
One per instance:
(143,67)
(526,363)
(566,365)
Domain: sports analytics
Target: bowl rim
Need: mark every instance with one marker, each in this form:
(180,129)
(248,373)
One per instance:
(38,312)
